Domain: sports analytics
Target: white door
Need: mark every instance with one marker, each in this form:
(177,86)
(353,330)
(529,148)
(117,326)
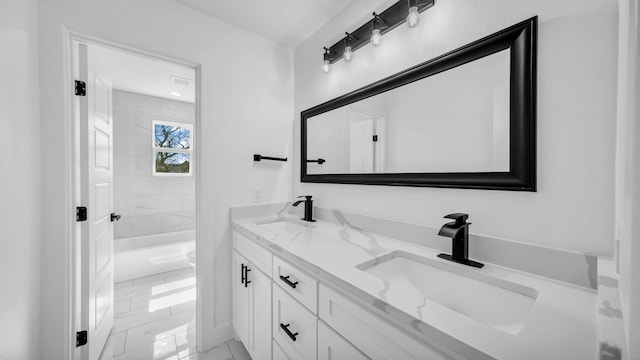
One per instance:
(240,298)
(96,169)
(259,346)
(361,146)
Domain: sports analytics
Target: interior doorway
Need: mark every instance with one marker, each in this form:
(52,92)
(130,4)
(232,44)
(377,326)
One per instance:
(366,141)
(135,125)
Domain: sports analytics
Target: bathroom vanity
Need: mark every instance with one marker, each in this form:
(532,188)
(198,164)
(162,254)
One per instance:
(326,290)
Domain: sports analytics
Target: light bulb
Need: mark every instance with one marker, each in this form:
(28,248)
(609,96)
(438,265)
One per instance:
(348,53)
(413,19)
(325,60)
(376,37)
(325,66)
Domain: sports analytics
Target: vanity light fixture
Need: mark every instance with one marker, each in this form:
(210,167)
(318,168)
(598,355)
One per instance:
(371,32)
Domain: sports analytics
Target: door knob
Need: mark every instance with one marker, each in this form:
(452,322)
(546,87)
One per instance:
(114,217)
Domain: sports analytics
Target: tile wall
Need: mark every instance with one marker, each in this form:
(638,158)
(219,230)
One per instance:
(148,204)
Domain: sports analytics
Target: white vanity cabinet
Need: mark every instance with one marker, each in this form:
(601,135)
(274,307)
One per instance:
(291,314)
(252,298)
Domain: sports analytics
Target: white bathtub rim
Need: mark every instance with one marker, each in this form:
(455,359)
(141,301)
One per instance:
(151,241)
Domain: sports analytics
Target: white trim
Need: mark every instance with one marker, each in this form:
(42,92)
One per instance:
(156,149)
(70,165)
(72,322)
(199,253)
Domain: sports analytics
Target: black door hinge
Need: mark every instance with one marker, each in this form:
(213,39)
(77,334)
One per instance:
(81,338)
(81,88)
(375,138)
(81,213)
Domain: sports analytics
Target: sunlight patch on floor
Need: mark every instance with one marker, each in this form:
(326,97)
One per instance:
(171,300)
(173,285)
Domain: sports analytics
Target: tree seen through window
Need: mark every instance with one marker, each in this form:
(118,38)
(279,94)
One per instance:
(172,144)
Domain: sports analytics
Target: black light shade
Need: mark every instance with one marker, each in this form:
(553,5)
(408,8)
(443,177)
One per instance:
(326,54)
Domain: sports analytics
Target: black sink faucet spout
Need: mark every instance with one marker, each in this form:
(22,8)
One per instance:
(308,207)
(458,231)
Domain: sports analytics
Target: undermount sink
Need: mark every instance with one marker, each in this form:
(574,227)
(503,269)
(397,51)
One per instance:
(283,226)
(412,279)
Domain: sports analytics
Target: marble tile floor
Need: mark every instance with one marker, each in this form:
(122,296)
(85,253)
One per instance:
(155,320)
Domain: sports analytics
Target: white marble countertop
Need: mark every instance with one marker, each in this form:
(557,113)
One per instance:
(560,324)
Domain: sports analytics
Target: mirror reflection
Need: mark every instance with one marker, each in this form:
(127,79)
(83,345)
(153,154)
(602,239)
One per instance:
(453,121)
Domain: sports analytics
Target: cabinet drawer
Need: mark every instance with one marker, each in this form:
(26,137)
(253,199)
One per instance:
(298,284)
(375,337)
(278,353)
(332,346)
(294,327)
(256,254)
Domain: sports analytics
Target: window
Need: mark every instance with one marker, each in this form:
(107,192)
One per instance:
(172,149)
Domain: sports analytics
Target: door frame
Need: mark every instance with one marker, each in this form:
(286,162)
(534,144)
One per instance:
(72,191)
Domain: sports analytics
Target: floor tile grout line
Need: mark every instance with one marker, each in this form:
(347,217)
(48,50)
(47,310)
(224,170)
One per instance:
(150,321)
(126,335)
(229,348)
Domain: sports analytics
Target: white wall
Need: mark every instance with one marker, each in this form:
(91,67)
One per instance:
(246,106)
(148,204)
(19,182)
(628,172)
(329,134)
(577,47)
(448,138)
(328,139)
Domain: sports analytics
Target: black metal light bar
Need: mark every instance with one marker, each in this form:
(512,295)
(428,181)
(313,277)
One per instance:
(393,16)
(258,157)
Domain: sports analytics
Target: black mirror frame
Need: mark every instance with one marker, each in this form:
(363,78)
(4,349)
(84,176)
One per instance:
(521,39)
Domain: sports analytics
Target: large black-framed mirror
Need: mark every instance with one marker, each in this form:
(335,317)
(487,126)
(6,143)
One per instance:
(466,119)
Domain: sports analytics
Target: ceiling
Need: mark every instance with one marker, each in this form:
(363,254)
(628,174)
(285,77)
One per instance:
(145,75)
(288,22)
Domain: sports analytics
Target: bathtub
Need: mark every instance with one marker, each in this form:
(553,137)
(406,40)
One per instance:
(140,256)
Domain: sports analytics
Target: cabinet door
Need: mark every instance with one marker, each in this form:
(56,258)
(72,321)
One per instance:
(259,346)
(240,298)
(332,346)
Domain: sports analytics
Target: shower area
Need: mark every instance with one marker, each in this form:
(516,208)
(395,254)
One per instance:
(154,186)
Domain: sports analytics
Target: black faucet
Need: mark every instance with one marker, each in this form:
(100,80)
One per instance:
(458,231)
(308,207)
